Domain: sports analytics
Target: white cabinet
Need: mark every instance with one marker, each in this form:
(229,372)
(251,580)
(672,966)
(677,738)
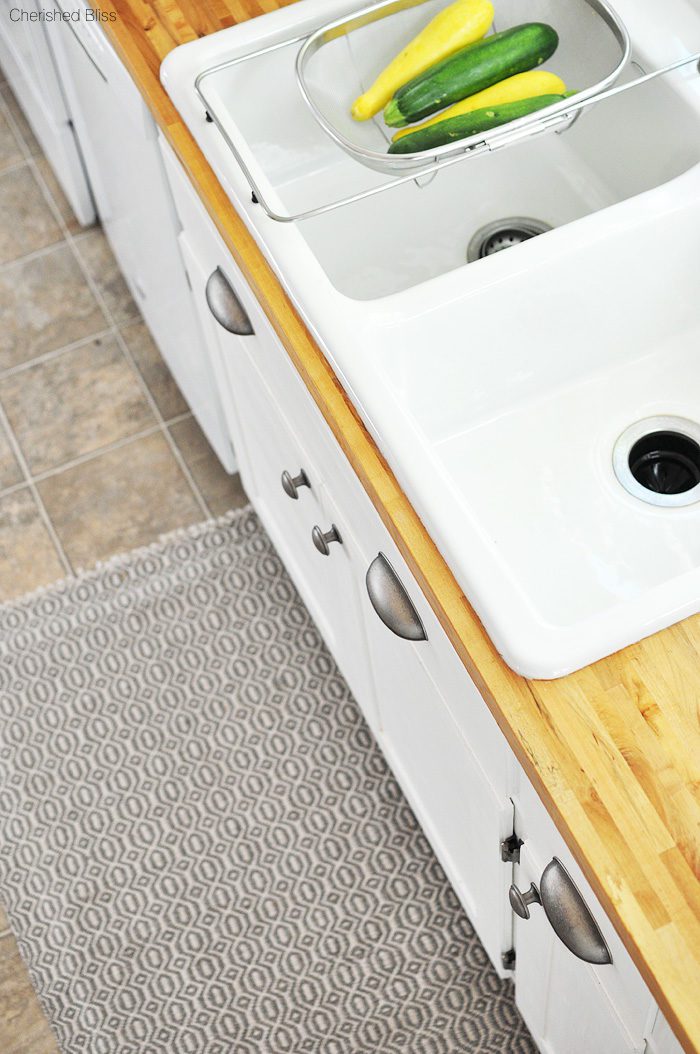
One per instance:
(445,748)
(463,807)
(417,697)
(119,141)
(27,60)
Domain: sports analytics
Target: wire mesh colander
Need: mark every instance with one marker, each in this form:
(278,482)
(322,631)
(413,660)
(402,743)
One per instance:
(340,60)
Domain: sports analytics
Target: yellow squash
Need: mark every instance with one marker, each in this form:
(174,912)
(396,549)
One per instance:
(513,89)
(462,23)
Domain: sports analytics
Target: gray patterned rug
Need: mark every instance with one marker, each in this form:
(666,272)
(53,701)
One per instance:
(202,849)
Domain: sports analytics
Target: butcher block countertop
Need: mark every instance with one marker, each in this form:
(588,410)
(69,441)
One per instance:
(613,750)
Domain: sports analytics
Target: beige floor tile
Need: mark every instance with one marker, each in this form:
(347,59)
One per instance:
(23,1028)
(28,558)
(74,404)
(26,221)
(39,1041)
(119,500)
(20,120)
(220,491)
(154,371)
(10,472)
(99,259)
(4,922)
(10,149)
(59,198)
(45,303)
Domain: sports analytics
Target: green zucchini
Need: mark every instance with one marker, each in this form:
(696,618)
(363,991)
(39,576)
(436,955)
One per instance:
(467,124)
(470,70)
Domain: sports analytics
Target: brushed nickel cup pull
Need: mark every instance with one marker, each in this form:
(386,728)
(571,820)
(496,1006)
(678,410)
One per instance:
(520,902)
(566,911)
(225,305)
(391,601)
(570,917)
(291,485)
(323,541)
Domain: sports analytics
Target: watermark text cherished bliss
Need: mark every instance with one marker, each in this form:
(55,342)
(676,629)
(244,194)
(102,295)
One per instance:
(84,14)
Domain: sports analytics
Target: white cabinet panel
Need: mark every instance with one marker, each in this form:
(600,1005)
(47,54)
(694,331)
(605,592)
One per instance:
(457,806)
(444,745)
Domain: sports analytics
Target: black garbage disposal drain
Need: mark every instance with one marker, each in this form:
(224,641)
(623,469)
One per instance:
(504,234)
(658,460)
(666,462)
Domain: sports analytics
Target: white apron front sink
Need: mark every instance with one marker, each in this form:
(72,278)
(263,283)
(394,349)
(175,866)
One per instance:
(497,389)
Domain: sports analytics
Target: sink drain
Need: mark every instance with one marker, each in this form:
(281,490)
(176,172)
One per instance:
(658,461)
(503,234)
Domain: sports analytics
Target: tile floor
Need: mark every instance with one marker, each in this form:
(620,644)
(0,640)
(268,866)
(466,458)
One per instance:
(98,450)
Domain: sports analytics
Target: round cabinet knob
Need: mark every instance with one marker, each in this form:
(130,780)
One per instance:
(291,485)
(520,902)
(323,541)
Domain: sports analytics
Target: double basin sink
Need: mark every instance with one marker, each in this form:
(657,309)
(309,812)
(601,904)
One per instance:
(539,405)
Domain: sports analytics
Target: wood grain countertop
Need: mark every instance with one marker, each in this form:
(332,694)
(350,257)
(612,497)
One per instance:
(613,750)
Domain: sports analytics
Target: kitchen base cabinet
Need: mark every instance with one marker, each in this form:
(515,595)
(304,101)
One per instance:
(462,802)
(489,829)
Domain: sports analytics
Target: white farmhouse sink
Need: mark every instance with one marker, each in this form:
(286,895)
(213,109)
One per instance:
(497,389)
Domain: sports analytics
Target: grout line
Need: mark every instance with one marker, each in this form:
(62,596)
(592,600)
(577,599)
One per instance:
(47,356)
(17,451)
(92,455)
(36,254)
(14,166)
(8,491)
(184,416)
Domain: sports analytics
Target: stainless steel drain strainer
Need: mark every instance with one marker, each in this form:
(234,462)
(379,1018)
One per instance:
(504,234)
(658,461)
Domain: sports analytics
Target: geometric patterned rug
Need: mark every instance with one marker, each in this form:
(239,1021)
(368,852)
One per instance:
(202,848)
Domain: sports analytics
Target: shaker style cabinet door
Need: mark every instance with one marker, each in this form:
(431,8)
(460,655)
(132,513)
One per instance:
(463,813)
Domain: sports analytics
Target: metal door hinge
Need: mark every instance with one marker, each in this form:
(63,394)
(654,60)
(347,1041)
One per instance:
(508,959)
(510,849)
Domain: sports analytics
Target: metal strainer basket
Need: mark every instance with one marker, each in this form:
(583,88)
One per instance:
(341,60)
